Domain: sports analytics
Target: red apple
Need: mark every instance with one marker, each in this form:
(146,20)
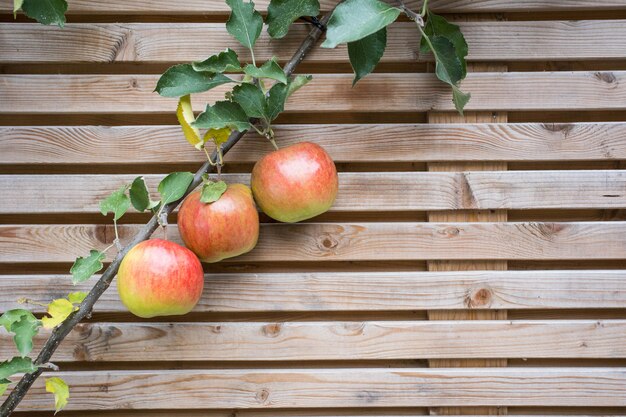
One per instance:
(225,228)
(295,183)
(160,278)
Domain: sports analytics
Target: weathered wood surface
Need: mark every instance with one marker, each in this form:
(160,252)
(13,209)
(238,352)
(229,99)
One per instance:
(365,291)
(393,92)
(91,145)
(205,7)
(400,191)
(163,42)
(402,143)
(351,241)
(357,387)
(347,340)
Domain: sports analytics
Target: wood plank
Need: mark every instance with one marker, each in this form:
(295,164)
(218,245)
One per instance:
(358,192)
(364,291)
(352,241)
(455,265)
(393,92)
(171,42)
(341,340)
(319,388)
(212,7)
(80,145)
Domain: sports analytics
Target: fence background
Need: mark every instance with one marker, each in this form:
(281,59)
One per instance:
(471,265)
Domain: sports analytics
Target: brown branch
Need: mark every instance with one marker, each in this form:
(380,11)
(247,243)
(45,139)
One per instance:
(59,333)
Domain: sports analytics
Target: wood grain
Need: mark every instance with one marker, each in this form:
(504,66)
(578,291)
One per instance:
(393,92)
(401,191)
(93,145)
(352,340)
(319,388)
(163,42)
(352,241)
(365,291)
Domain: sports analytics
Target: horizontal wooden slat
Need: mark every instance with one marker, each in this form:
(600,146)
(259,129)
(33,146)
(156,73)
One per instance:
(352,241)
(400,191)
(163,42)
(349,142)
(292,341)
(318,388)
(362,291)
(377,93)
(219,7)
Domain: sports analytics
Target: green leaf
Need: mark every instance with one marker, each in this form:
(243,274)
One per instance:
(84,268)
(251,99)
(117,203)
(438,26)
(270,69)
(139,195)
(46,12)
(16,365)
(460,99)
(61,391)
(282,13)
(366,53)
(24,325)
(244,23)
(223,114)
(17,4)
(298,82)
(276,100)
(448,68)
(226,61)
(355,19)
(58,311)
(173,186)
(77,297)
(212,191)
(182,79)
(4,384)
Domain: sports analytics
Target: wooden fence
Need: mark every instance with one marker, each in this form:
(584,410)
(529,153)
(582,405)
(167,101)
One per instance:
(471,265)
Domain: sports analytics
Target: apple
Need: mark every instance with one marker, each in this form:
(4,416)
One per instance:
(295,183)
(160,278)
(225,228)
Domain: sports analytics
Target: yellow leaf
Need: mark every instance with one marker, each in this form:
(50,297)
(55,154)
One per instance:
(218,136)
(185,116)
(61,392)
(77,297)
(58,310)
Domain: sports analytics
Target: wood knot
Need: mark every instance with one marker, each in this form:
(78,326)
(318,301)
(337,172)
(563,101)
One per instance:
(272,330)
(263,395)
(326,242)
(479,297)
(134,83)
(450,231)
(216,329)
(607,77)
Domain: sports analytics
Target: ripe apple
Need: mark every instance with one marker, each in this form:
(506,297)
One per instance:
(225,228)
(160,278)
(295,183)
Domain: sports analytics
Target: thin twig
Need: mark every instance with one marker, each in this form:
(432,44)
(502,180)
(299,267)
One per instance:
(411,14)
(85,308)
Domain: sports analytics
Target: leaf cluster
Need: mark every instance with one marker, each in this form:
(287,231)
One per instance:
(259,92)
(362,24)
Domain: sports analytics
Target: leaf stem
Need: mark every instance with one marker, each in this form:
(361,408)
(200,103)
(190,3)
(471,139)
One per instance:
(424,8)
